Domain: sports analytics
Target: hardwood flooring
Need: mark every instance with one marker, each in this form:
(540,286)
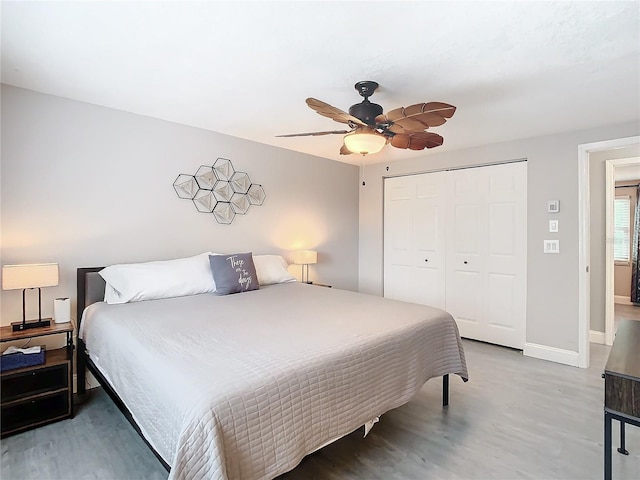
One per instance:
(622,311)
(517,418)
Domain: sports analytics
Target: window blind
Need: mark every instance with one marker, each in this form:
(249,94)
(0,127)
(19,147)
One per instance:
(621,228)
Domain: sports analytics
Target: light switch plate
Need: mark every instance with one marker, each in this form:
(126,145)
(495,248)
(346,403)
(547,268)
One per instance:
(553,206)
(553,226)
(552,246)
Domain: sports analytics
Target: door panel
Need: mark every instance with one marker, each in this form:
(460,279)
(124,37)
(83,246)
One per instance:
(414,237)
(501,290)
(502,222)
(429,288)
(464,302)
(398,282)
(506,254)
(466,228)
(464,268)
(487,230)
(426,229)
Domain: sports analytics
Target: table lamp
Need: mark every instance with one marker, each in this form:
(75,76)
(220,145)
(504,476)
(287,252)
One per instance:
(28,277)
(305,258)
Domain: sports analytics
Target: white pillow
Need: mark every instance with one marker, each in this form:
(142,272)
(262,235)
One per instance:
(111,295)
(272,269)
(153,280)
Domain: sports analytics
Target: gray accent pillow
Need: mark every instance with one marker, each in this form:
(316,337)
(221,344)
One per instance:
(234,273)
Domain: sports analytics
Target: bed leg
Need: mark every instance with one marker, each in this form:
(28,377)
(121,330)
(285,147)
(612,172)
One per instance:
(81,365)
(445,390)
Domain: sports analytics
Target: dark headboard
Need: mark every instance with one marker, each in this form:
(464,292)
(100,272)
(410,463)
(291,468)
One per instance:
(90,288)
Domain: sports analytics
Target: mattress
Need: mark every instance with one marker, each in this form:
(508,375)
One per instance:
(244,386)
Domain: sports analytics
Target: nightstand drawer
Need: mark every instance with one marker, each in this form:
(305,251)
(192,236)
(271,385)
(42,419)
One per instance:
(37,410)
(33,382)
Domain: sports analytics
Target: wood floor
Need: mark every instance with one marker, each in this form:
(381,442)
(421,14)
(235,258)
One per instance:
(630,312)
(517,418)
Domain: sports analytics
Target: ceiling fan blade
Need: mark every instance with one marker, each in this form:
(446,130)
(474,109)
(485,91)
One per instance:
(417,117)
(313,134)
(333,113)
(416,140)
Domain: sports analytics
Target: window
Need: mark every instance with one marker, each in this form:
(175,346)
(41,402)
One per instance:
(621,229)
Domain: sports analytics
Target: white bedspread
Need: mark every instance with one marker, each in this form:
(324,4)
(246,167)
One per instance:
(244,386)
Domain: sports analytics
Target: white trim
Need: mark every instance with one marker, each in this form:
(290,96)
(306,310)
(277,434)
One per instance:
(451,169)
(596,337)
(584,231)
(551,354)
(609,193)
(584,249)
(622,300)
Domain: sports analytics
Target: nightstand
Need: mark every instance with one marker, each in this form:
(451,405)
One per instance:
(40,394)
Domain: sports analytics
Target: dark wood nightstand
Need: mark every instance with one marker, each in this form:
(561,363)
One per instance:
(40,394)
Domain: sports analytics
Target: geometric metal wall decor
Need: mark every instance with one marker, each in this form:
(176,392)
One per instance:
(220,190)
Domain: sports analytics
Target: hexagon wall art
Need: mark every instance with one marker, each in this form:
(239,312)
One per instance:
(219,190)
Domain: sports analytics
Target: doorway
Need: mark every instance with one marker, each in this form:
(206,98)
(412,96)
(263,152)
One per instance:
(584,244)
(616,170)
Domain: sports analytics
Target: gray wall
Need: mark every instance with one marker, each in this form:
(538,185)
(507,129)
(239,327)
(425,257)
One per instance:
(83,185)
(552,173)
(597,182)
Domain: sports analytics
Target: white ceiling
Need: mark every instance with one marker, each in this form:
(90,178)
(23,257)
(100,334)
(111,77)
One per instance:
(514,69)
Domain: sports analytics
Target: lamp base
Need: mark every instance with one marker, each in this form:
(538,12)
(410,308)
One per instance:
(19,326)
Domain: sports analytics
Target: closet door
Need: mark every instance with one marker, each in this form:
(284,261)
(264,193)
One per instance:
(465,262)
(414,238)
(486,252)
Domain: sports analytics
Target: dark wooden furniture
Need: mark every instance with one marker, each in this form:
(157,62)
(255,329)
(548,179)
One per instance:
(40,394)
(622,387)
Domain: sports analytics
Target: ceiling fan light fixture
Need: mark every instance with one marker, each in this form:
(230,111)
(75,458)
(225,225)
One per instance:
(364,142)
(372,129)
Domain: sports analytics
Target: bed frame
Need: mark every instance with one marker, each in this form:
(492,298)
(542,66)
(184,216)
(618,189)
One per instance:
(90,289)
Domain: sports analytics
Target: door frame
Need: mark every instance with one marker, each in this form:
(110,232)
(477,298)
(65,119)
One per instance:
(584,230)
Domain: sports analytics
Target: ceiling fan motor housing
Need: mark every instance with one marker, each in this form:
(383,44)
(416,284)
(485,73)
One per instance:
(366,111)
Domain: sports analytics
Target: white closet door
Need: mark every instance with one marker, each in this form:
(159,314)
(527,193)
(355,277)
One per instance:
(414,239)
(486,259)
(465,263)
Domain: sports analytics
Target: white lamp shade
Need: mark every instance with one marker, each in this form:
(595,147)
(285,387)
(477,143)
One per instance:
(305,257)
(364,142)
(17,277)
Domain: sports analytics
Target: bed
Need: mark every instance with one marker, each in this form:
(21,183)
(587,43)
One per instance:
(244,386)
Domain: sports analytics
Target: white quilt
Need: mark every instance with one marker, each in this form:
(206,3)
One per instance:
(244,386)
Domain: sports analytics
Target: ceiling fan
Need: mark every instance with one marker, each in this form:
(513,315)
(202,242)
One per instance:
(371,129)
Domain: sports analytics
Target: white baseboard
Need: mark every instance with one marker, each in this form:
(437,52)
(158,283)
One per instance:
(596,337)
(622,299)
(551,354)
